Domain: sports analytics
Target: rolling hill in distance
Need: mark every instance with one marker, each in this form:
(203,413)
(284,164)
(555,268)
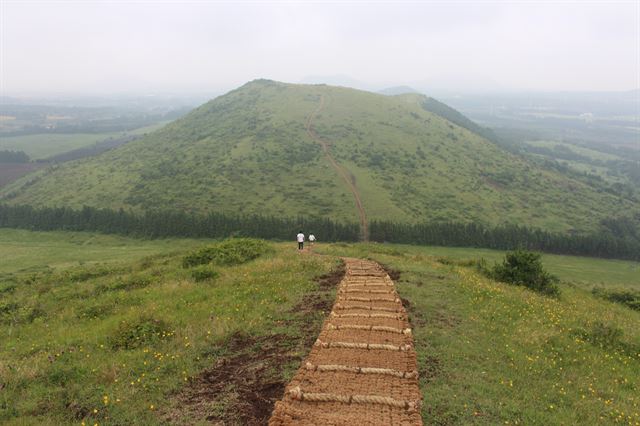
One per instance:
(315,150)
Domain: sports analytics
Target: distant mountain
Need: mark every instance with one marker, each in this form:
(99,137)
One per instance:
(340,80)
(397,90)
(261,149)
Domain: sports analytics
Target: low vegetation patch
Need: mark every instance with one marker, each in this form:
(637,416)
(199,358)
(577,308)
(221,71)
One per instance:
(84,273)
(95,310)
(601,334)
(234,251)
(141,331)
(125,282)
(627,297)
(12,313)
(203,273)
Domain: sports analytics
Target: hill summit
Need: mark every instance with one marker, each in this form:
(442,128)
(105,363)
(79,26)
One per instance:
(317,150)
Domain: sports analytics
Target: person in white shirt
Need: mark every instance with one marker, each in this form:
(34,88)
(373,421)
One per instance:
(312,238)
(300,238)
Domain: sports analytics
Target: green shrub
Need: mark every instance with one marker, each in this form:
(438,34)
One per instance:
(522,267)
(444,260)
(7,288)
(601,334)
(8,311)
(33,313)
(13,313)
(203,273)
(81,274)
(139,332)
(228,252)
(99,310)
(125,283)
(628,298)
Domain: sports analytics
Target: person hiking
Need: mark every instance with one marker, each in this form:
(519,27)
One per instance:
(300,238)
(312,238)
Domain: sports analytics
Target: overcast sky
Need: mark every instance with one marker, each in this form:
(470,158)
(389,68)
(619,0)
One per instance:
(191,46)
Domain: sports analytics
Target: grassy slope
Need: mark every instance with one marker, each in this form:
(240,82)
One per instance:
(248,151)
(56,361)
(490,353)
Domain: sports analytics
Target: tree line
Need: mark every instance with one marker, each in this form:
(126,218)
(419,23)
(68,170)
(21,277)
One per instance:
(507,237)
(164,224)
(7,156)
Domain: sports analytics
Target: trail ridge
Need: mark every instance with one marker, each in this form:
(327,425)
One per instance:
(346,176)
(363,368)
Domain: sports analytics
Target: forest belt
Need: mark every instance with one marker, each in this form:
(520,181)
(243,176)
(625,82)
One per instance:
(362,370)
(366,346)
(300,395)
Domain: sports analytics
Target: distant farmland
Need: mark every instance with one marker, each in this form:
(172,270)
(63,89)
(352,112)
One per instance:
(10,172)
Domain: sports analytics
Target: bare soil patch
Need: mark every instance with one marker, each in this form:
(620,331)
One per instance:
(394,274)
(430,369)
(240,388)
(332,279)
(415,317)
(248,377)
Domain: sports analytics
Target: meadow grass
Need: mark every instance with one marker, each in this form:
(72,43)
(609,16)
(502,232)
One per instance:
(39,146)
(110,342)
(28,251)
(113,341)
(581,150)
(585,272)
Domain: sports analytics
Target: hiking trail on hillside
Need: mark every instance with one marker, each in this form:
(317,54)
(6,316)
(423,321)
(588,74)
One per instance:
(346,176)
(363,368)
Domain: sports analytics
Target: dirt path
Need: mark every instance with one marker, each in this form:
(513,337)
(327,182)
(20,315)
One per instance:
(362,369)
(346,176)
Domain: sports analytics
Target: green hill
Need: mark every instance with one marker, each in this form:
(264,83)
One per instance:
(258,149)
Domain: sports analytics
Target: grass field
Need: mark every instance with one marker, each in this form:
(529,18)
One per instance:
(41,146)
(26,251)
(581,150)
(111,330)
(128,339)
(582,271)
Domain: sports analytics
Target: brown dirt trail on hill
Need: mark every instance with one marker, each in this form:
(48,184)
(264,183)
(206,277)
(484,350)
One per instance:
(362,369)
(346,176)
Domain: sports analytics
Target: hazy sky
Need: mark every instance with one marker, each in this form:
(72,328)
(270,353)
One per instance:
(190,46)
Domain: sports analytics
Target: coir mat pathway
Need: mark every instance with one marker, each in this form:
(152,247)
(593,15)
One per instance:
(362,369)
